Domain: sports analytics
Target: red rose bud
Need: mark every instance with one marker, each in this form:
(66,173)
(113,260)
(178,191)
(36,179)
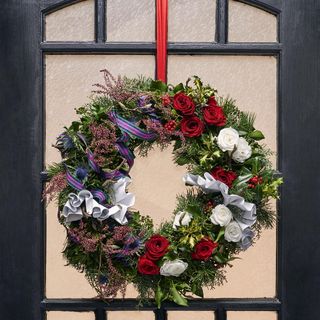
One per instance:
(156,247)
(191,126)
(224,176)
(203,249)
(166,100)
(170,125)
(146,266)
(214,115)
(212,102)
(184,104)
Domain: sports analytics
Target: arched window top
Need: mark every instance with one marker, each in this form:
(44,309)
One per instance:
(248,23)
(70,21)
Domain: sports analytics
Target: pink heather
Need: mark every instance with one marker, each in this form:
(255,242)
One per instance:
(56,184)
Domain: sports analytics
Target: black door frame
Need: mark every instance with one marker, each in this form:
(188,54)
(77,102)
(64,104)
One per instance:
(22,221)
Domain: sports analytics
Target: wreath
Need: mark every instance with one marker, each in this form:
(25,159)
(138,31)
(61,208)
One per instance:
(223,212)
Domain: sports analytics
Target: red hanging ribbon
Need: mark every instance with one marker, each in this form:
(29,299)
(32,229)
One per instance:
(162,31)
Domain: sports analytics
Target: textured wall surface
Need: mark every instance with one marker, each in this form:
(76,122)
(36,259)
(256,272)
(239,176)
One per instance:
(191,315)
(191,20)
(130,20)
(73,23)
(250,24)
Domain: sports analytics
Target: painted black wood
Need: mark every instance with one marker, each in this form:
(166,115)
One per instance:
(222,21)
(22,220)
(20,160)
(299,160)
(268,304)
(100,21)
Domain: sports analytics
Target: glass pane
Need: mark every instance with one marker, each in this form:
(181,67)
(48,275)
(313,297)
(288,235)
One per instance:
(57,315)
(192,21)
(72,23)
(191,315)
(130,315)
(131,20)
(255,315)
(69,80)
(250,24)
(251,81)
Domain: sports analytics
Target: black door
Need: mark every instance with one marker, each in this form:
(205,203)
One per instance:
(22,229)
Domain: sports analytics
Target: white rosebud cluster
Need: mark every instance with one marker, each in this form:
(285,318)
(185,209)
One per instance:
(182,218)
(222,216)
(228,140)
(173,268)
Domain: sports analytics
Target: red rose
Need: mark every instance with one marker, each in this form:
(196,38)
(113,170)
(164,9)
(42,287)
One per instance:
(214,115)
(156,247)
(212,102)
(166,100)
(225,176)
(204,249)
(146,266)
(184,104)
(192,126)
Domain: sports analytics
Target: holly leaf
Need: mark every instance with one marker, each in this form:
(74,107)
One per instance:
(178,88)
(159,296)
(256,135)
(194,210)
(197,290)
(158,85)
(177,297)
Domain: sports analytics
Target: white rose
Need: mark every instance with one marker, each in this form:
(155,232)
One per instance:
(243,151)
(221,215)
(233,232)
(173,268)
(182,218)
(227,139)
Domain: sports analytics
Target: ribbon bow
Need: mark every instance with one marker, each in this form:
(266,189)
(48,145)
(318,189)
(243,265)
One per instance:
(209,184)
(121,201)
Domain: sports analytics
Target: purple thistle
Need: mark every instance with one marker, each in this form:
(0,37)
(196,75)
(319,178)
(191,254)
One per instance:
(81,173)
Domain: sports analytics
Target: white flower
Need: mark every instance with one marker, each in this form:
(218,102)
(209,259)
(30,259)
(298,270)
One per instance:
(227,139)
(243,151)
(221,215)
(233,232)
(182,218)
(173,268)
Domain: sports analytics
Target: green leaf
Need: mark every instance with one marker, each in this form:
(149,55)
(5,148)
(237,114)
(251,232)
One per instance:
(178,88)
(159,296)
(194,210)
(177,297)
(256,134)
(158,85)
(197,290)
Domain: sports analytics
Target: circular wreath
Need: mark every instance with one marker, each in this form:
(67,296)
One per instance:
(223,212)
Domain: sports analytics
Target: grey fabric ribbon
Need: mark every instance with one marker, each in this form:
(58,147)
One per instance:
(209,184)
(121,201)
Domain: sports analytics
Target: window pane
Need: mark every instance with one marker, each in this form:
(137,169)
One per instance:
(69,80)
(72,23)
(191,315)
(255,315)
(131,20)
(192,21)
(250,24)
(130,315)
(251,81)
(59,315)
